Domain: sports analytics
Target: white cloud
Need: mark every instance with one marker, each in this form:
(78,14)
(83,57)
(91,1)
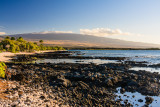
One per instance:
(103,32)
(46,32)
(2,33)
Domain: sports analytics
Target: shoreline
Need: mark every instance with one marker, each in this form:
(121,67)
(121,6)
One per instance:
(67,84)
(6,56)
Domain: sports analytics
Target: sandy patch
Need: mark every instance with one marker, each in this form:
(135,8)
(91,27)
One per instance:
(6,56)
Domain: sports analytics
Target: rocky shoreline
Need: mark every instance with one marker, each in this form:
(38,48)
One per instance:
(74,84)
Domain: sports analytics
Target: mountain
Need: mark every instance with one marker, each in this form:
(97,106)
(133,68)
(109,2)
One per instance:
(79,40)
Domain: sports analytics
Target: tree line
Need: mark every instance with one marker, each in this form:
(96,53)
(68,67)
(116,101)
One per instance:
(14,45)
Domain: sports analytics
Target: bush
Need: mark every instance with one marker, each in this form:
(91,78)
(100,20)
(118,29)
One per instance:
(3,68)
(20,45)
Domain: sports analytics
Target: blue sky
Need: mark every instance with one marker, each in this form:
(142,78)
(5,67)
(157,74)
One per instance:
(134,20)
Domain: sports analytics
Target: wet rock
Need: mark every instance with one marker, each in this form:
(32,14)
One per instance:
(122,90)
(140,100)
(149,100)
(132,83)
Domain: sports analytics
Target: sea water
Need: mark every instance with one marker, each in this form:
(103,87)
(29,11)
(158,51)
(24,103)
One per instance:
(150,56)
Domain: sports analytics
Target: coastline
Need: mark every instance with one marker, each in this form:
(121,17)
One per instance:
(67,84)
(6,56)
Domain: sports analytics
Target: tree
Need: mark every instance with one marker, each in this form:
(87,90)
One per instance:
(13,38)
(35,43)
(31,46)
(12,45)
(20,39)
(41,41)
(7,37)
(5,42)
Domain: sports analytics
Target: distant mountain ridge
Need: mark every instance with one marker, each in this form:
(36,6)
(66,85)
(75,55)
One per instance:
(85,39)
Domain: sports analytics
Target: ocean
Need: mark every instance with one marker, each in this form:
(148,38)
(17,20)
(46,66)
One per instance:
(149,56)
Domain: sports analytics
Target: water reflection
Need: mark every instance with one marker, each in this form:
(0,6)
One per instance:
(150,56)
(81,61)
(146,69)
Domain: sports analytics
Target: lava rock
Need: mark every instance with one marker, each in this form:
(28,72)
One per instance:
(140,100)
(149,100)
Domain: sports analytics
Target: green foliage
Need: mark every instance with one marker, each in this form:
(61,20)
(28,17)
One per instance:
(41,47)
(31,46)
(20,45)
(58,48)
(35,43)
(4,50)
(20,39)
(34,58)
(3,68)
(13,38)
(7,37)
(40,41)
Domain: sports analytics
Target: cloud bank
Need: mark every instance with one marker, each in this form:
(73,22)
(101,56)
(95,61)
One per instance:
(46,32)
(2,33)
(103,32)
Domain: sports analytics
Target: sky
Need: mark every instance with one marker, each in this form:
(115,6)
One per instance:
(132,20)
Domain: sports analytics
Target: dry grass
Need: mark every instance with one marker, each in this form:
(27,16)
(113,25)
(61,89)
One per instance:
(68,43)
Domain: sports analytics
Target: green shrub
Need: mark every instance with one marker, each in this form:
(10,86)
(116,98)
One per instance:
(4,50)
(3,68)
(21,45)
(34,58)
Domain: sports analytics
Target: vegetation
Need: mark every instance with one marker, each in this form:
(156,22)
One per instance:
(14,45)
(13,38)
(3,68)
(41,41)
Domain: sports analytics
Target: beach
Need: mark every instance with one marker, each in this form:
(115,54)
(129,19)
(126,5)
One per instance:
(79,84)
(6,56)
